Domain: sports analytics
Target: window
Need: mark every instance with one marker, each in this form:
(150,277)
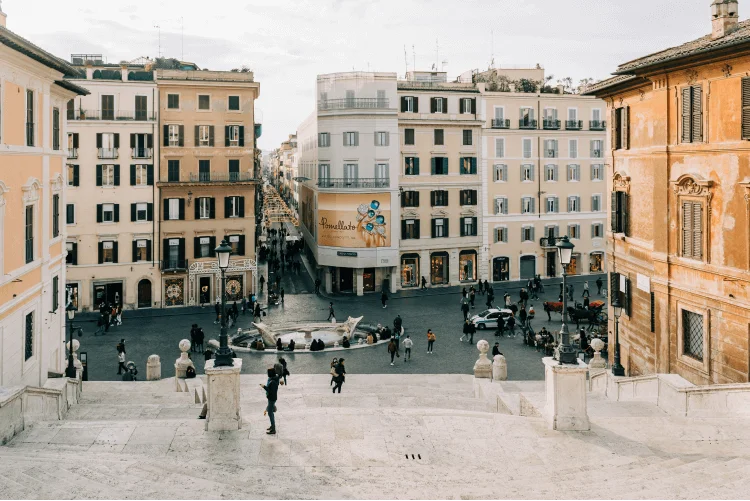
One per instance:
(70,214)
(55,293)
(597,148)
(692,334)
(410,229)
(468,165)
(467,105)
(746,108)
(411,166)
(351,173)
(440,228)
(381,139)
(173,101)
(438,105)
(73,175)
(55,128)
(597,230)
(527,118)
(409,104)
(574,231)
(439,198)
(233,135)
(527,148)
(234,169)
(29,118)
(501,205)
(204,102)
(140,211)
(553,205)
(468,226)
(620,212)
(573,148)
(108,175)
(527,172)
(439,137)
(501,235)
(174,208)
(29,233)
(409,137)
(467,137)
(173,171)
(204,208)
(596,203)
(550,148)
(324,174)
(108,213)
(550,173)
(107,252)
(234,103)
(71,256)
(173,133)
(499,147)
(140,175)
(141,250)
(204,135)
(29,336)
(382,173)
(324,139)
(468,197)
(527,205)
(574,203)
(55,216)
(439,166)
(70,110)
(501,172)
(204,247)
(621,133)
(204,170)
(692,114)
(108,107)
(527,233)
(597,172)
(410,199)
(73,145)
(574,172)
(350,99)
(141,107)
(234,207)
(692,229)
(351,138)
(237,243)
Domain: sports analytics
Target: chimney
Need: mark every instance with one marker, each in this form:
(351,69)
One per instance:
(724,18)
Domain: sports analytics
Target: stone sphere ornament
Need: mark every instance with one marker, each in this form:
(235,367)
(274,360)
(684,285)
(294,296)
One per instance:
(597,344)
(483,346)
(76,345)
(184,345)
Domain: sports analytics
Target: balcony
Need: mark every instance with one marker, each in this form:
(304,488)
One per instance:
(597,125)
(548,242)
(108,153)
(174,265)
(526,123)
(573,124)
(221,177)
(371,182)
(500,124)
(137,115)
(73,153)
(550,124)
(141,152)
(356,103)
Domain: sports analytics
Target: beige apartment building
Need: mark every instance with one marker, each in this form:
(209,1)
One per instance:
(33,95)
(440,181)
(109,213)
(207,183)
(544,177)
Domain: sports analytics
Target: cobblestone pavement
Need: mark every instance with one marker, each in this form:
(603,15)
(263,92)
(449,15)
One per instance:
(159,331)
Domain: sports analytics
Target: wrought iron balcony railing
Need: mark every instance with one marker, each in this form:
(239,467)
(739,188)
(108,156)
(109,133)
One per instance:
(354,103)
(550,124)
(527,124)
(108,153)
(597,124)
(137,115)
(72,152)
(500,123)
(574,124)
(142,152)
(354,183)
(220,177)
(174,264)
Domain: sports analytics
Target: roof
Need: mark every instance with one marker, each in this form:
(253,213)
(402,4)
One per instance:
(67,84)
(27,48)
(740,35)
(608,83)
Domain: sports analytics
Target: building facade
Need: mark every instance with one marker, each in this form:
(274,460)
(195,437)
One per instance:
(679,194)
(440,181)
(207,183)
(349,150)
(33,97)
(109,214)
(543,165)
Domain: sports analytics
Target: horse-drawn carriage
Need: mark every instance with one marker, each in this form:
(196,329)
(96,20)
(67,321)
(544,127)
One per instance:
(596,314)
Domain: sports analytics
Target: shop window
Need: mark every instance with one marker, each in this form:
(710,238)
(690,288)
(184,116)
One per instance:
(596,262)
(500,269)
(410,270)
(439,268)
(467,269)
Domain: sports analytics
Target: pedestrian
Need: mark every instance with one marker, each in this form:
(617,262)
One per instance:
(397,323)
(217,309)
(472,331)
(199,336)
(424,282)
(99,325)
(572,289)
(235,311)
(472,295)
(465,309)
(430,340)
(244,304)
(392,349)
(465,331)
(119,315)
(585,289)
(334,363)
(121,366)
(107,313)
(383,298)
(284,371)
(121,346)
(522,315)
(496,350)
(408,343)
(278,282)
(397,337)
(281,293)
(340,375)
(586,303)
(501,322)
(193,328)
(262,281)
(252,302)
(317,286)
(489,301)
(512,326)
(330,311)
(599,284)
(506,296)
(272,390)
(278,368)
(256,313)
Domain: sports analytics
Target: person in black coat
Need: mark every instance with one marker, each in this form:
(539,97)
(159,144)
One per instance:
(272,389)
(340,375)
(279,346)
(290,346)
(496,350)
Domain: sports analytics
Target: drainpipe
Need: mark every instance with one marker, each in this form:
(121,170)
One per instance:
(157,176)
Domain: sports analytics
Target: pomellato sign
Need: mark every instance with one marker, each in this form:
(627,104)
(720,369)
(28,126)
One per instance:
(341,225)
(349,220)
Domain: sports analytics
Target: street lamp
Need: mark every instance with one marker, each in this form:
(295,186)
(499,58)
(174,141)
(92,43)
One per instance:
(617,368)
(565,354)
(70,311)
(224,354)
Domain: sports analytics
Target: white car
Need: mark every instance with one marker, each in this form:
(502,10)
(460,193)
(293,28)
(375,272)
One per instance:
(488,318)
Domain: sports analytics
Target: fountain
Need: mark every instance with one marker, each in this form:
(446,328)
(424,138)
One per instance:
(303,333)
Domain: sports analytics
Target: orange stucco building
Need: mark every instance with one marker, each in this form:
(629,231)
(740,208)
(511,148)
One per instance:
(679,180)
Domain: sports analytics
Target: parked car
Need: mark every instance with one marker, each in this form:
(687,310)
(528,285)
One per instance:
(488,318)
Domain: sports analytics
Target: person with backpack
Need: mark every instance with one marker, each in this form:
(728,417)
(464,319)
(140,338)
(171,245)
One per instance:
(392,349)
(340,375)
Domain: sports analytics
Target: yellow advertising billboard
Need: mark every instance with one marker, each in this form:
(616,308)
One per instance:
(354,220)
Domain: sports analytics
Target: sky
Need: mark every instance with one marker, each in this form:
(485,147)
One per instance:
(288,43)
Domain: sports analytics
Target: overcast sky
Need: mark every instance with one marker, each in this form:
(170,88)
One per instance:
(288,43)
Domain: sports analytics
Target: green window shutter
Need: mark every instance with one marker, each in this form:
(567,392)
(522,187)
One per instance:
(432,166)
(226,135)
(150,175)
(98,175)
(117,174)
(132,175)
(686,115)
(132,212)
(196,247)
(696,134)
(242,135)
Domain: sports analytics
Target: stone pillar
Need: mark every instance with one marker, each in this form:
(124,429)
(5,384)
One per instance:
(359,282)
(153,368)
(597,362)
(565,388)
(396,278)
(483,366)
(424,268)
(182,363)
(223,393)
(328,280)
(499,368)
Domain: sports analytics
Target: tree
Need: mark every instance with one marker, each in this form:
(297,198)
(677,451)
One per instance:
(567,84)
(583,85)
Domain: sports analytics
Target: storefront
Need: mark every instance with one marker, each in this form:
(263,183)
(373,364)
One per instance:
(596,262)
(107,293)
(528,267)
(439,268)
(574,268)
(500,269)
(467,266)
(72,294)
(410,270)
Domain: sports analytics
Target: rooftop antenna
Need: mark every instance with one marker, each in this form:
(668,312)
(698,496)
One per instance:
(414,56)
(182,35)
(437,54)
(492,54)
(159,28)
(406,61)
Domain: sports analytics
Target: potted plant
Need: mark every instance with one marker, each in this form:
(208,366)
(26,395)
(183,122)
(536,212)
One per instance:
(81,114)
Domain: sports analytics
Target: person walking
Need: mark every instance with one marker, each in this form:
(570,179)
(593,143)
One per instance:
(424,282)
(334,363)
(272,390)
(217,309)
(397,322)
(121,366)
(465,331)
(284,370)
(511,324)
(256,313)
(472,296)
(278,368)
(281,293)
(465,309)
(585,292)
(235,311)
(488,303)
(392,349)
(193,328)
(472,331)
(599,284)
(199,336)
(330,311)
(506,296)
(430,340)
(261,281)
(571,289)
(383,298)
(408,343)
(119,315)
(121,346)
(340,375)
(397,338)
(244,304)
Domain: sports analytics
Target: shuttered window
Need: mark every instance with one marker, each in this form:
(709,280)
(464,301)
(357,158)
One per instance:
(746,108)
(692,114)
(620,207)
(501,172)
(692,230)
(527,148)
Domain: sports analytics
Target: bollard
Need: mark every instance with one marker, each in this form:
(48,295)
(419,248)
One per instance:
(483,366)
(597,362)
(499,368)
(153,368)
(182,363)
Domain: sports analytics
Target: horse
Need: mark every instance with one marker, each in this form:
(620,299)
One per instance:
(576,315)
(550,306)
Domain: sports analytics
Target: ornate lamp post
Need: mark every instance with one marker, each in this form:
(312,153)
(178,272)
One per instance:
(565,354)
(617,368)
(70,311)
(224,354)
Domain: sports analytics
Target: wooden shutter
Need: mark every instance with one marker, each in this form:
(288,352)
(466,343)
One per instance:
(697,230)
(746,108)
(445,104)
(148,250)
(626,128)
(474,166)
(445,224)
(212,208)
(686,115)
(461,107)
(98,140)
(182,209)
(132,140)
(98,175)
(227,206)
(150,175)
(197,208)
(415,99)
(75,140)
(242,206)
(242,135)
(403,223)
(241,246)
(697,114)
(210,135)
(181,133)
(625,213)
(433,104)
(474,105)
(403,104)
(135,251)
(181,251)
(132,174)
(117,145)
(432,166)
(149,212)
(99,213)
(149,140)
(432,235)
(197,135)
(613,212)
(117,174)
(76,181)
(165,131)
(101,252)
(165,249)
(196,247)
(166,209)
(133,212)
(627,297)
(74,252)
(212,246)
(117,213)
(226,135)
(614,129)
(416,228)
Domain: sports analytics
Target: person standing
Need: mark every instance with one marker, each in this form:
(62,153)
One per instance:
(397,323)
(261,281)
(121,366)
(256,313)
(472,331)
(465,309)
(511,324)
(488,303)
(340,375)
(193,343)
(599,284)
(244,304)
(217,309)
(383,298)
(430,340)
(507,300)
(330,313)
(334,363)
(585,292)
(284,371)
(392,349)
(408,343)
(472,296)
(199,336)
(272,391)
(281,293)
(121,346)
(424,282)
(119,315)
(397,337)
(571,289)
(235,311)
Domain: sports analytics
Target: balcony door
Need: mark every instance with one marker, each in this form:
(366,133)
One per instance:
(141,107)
(351,174)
